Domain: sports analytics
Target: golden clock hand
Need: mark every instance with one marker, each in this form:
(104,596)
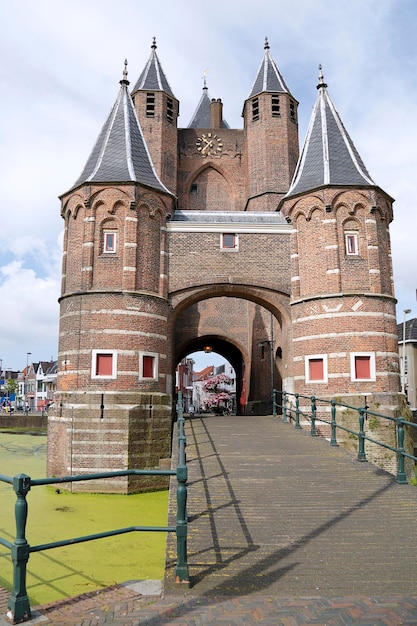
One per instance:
(209,144)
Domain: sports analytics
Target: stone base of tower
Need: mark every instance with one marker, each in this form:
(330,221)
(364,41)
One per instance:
(377,428)
(89,433)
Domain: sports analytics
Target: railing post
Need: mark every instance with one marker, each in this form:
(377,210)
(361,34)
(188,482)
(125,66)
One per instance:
(333,440)
(297,412)
(181,571)
(361,437)
(284,407)
(18,605)
(180,406)
(401,475)
(274,403)
(313,416)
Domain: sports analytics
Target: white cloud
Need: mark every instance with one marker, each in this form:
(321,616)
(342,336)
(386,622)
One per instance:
(61,63)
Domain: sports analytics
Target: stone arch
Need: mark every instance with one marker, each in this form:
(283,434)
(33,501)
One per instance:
(222,315)
(209,188)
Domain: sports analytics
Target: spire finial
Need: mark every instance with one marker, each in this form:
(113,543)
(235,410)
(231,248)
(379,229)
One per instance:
(322,84)
(204,78)
(154,46)
(266,46)
(124,80)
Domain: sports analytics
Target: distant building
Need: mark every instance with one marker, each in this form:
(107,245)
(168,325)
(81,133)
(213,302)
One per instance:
(184,381)
(407,343)
(200,396)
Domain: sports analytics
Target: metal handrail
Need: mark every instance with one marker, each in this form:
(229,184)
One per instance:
(18,607)
(363,413)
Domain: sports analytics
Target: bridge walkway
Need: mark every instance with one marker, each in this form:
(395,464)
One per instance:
(284,530)
(273,510)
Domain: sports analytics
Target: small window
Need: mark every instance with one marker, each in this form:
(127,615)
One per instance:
(255,109)
(351,243)
(170,110)
(104,364)
(148,366)
(293,116)
(194,188)
(109,244)
(229,241)
(275,106)
(316,368)
(362,366)
(150,105)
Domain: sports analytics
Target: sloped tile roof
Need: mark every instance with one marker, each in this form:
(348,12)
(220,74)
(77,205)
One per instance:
(268,78)
(153,76)
(329,156)
(201,117)
(410,333)
(120,153)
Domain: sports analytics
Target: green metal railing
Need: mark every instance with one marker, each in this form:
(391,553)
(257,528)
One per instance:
(292,411)
(18,607)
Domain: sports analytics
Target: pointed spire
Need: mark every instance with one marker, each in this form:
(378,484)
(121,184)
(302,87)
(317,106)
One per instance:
(153,77)
(269,78)
(201,117)
(120,153)
(329,156)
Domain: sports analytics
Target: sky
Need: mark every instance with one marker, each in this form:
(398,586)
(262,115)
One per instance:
(61,62)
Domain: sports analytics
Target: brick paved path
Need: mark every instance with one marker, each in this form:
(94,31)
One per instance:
(284,529)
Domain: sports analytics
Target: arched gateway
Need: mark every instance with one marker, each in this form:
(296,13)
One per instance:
(175,237)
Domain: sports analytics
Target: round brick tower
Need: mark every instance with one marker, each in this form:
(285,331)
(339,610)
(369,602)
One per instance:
(113,405)
(342,303)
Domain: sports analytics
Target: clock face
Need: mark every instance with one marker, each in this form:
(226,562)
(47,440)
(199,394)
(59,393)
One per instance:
(209,145)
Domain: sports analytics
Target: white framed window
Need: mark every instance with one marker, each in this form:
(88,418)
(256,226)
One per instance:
(104,364)
(109,241)
(351,243)
(229,241)
(362,366)
(316,368)
(148,366)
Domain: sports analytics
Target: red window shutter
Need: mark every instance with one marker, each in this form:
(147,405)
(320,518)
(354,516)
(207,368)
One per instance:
(316,369)
(104,364)
(363,367)
(147,366)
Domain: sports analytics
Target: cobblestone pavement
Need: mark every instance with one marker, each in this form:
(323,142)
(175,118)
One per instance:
(284,529)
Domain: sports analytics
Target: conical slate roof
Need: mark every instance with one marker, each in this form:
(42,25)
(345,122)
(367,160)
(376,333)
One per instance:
(120,153)
(329,156)
(153,77)
(201,117)
(269,78)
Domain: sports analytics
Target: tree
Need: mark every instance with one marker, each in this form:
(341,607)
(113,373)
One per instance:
(12,386)
(219,396)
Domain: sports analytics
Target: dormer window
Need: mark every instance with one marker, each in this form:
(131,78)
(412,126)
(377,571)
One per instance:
(150,105)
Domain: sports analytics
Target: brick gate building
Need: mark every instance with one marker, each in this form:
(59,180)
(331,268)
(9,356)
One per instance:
(179,238)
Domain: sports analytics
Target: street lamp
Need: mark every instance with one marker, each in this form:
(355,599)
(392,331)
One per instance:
(406,312)
(26,381)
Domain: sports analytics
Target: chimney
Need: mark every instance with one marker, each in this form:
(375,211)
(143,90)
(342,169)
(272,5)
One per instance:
(216,113)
